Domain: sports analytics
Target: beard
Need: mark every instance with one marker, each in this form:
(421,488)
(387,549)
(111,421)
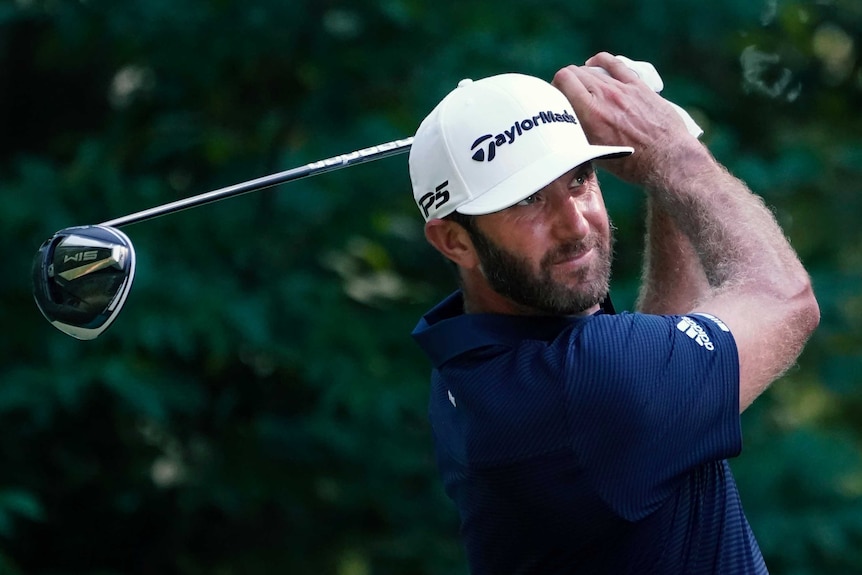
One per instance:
(513,277)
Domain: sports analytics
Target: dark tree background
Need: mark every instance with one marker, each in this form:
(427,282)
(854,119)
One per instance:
(259,407)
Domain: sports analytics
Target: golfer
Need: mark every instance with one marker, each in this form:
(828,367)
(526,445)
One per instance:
(572,439)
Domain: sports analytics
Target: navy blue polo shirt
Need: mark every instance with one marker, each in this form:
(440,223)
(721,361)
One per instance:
(589,445)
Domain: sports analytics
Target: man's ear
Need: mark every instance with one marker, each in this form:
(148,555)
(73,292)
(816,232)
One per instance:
(453,241)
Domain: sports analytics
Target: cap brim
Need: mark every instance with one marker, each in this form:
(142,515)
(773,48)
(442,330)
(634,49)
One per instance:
(536,176)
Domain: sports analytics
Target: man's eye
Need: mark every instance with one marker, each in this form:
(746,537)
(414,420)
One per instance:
(529,200)
(580,179)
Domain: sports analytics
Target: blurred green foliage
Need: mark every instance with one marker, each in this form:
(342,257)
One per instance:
(259,406)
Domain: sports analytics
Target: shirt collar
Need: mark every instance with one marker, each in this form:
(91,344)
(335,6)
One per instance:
(446,331)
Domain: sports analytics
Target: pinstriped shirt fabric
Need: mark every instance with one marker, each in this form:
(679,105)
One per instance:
(589,445)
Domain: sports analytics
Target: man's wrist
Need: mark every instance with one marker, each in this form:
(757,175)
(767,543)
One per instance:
(680,164)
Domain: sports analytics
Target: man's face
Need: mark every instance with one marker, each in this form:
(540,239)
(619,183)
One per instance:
(550,253)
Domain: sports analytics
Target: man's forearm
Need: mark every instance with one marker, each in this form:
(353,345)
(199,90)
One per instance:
(734,235)
(673,279)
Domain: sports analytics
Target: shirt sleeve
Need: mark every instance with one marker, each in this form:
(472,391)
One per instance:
(649,399)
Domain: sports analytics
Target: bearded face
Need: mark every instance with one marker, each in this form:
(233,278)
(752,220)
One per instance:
(546,286)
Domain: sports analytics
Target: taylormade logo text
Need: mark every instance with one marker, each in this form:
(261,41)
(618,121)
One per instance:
(485,147)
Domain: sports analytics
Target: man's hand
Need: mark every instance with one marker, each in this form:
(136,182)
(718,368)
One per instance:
(619,109)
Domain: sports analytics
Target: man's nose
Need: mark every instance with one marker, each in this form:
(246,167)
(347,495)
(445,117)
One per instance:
(569,220)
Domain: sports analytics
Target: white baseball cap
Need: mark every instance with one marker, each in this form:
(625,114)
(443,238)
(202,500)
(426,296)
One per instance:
(493,142)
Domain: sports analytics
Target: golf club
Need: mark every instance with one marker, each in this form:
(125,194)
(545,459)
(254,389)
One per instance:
(82,274)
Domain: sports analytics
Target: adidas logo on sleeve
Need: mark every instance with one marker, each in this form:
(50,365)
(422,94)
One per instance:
(691,328)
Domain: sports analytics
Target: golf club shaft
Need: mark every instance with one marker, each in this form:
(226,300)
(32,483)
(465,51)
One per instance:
(330,164)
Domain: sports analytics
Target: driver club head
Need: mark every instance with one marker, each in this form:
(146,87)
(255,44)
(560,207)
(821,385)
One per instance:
(81,277)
